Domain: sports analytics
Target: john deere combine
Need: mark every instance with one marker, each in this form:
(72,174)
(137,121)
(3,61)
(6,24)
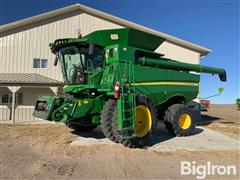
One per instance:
(114,78)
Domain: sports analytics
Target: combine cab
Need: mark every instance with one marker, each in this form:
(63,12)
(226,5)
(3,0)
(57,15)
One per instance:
(113,78)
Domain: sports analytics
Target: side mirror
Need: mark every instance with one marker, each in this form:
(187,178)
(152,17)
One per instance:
(91,49)
(56,61)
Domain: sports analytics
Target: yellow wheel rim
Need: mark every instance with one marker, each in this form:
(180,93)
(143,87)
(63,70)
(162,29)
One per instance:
(185,121)
(143,122)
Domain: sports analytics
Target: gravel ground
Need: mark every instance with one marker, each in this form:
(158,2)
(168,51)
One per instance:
(46,152)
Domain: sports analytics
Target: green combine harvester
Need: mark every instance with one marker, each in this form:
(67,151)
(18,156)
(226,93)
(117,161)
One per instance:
(113,78)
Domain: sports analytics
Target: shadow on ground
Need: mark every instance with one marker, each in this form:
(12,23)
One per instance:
(96,133)
(160,135)
(206,120)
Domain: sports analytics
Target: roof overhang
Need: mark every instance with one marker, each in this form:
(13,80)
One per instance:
(27,80)
(82,8)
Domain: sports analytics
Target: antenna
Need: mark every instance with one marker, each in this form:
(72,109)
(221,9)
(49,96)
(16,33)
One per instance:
(78,31)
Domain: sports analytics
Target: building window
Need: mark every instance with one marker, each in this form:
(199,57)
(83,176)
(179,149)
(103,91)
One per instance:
(40,63)
(44,63)
(36,63)
(6,98)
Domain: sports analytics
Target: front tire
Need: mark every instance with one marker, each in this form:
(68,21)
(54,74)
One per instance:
(145,123)
(106,119)
(180,120)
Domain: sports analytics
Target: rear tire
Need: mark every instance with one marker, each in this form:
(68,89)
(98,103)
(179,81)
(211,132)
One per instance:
(106,119)
(180,120)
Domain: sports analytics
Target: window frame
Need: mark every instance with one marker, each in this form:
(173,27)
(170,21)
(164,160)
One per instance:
(41,60)
(9,98)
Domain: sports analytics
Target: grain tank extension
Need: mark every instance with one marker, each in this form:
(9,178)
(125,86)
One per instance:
(113,78)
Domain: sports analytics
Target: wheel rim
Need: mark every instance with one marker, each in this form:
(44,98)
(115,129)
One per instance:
(143,122)
(185,121)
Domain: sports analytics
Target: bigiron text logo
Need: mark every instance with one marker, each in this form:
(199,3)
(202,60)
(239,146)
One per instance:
(201,171)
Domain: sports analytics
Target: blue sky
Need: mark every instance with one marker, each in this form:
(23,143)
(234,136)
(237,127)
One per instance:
(213,24)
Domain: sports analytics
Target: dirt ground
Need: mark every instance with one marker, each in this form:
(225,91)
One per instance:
(223,118)
(44,152)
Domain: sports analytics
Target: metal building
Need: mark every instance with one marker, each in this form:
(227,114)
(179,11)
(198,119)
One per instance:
(26,63)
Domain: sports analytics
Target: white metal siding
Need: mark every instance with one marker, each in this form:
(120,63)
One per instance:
(179,53)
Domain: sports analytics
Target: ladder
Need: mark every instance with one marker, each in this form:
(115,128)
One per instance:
(127,100)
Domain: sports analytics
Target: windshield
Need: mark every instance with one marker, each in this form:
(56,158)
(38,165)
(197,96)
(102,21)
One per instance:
(77,64)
